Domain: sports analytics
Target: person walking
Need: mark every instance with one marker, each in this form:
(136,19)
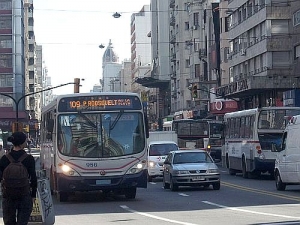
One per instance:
(17,200)
(29,141)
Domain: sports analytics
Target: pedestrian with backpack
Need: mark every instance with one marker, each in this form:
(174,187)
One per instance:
(18,182)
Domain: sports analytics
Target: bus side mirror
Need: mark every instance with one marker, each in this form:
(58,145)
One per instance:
(49,136)
(50,125)
(147,126)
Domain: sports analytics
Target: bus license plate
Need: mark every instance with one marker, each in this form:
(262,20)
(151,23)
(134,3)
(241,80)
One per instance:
(198,178)
(101,182)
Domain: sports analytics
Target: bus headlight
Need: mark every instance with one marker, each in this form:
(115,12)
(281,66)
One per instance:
(136,168)
(67,170)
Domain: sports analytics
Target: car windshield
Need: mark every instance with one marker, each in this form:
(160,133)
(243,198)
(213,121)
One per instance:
(162,149)
(191,157)
(100,135)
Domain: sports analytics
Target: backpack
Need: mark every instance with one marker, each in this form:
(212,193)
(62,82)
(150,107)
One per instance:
(15,180)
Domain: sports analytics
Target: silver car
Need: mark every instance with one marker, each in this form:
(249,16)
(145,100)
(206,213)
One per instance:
(190,168)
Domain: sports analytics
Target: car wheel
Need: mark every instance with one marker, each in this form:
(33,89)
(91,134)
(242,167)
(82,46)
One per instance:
(217,186)
(280,186)
(173,187)
(130,193)
(165,185)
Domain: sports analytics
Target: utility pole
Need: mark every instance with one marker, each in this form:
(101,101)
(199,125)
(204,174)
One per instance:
(76,85)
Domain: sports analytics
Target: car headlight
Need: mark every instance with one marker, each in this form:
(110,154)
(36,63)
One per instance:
(179,172)
(138,167)
(67,170)
(151,164)
(212,171)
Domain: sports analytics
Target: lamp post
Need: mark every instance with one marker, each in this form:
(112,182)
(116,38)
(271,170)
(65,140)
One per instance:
(17,101)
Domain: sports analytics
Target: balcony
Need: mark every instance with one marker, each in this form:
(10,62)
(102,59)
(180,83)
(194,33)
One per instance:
(172,4)
(173,39)
(173,75)
(256,84)
(172,21)
(173,57)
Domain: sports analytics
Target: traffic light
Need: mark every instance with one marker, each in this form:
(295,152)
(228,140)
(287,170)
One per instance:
(17,126)
(76,85)
(195,91)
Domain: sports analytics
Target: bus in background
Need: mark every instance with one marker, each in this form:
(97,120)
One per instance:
(201,134)
(249,137)
(95,141)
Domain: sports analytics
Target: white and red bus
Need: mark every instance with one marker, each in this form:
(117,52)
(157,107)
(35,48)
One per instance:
(95,141)
(249,136)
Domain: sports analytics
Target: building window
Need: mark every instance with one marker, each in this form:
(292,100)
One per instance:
(5,22)
(187,63)
(6,80)
(281,59)
(296,18)
(297,51)
(6,41)
(196,19)
(186,26)
(5,5)
(280,26)
(6,61)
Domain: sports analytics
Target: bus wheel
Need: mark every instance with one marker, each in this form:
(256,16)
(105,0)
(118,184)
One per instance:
(130,193)
(62,196)
(244,168)
(280,186)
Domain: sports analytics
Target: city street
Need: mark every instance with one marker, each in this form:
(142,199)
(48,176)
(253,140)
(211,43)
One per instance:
(239,201)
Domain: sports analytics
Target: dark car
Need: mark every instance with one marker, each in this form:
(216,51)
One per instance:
(190,168)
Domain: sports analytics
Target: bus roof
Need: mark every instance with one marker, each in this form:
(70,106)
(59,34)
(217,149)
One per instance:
(255,110)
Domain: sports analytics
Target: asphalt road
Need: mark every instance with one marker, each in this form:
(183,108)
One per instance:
(239,201)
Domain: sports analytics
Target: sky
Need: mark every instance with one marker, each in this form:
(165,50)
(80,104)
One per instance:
(71,31)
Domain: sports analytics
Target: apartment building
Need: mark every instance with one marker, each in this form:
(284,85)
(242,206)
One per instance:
(12,58)
(260,55)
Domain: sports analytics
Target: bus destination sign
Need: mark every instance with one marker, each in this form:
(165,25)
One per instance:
(94,103)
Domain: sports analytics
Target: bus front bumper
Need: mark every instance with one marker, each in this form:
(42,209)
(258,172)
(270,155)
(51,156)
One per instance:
(72,184)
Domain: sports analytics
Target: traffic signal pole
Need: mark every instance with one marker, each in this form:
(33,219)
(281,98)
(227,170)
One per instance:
(17,102)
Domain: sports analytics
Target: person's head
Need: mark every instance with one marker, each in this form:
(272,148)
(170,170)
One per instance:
(18,139)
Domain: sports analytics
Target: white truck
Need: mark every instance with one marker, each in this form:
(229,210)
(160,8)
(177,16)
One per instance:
(159,144)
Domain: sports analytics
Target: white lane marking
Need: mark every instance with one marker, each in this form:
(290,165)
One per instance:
(152,183)
(250,211)
(155,217)
(184,195)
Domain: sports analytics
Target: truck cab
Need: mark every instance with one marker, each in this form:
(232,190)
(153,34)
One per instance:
(287,164)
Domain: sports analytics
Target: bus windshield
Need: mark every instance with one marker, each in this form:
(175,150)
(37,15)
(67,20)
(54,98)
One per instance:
(216,130)
(100,135)
(266,140)
(275,118)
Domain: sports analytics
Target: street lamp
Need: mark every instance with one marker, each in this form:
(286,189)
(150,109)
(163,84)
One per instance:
(17,101)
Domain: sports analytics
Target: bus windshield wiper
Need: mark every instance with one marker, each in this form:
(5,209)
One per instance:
(89,122)
(112,126)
